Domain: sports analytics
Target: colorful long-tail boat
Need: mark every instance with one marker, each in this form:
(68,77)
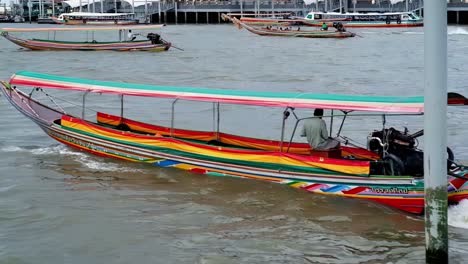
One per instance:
(151,42)
(389,171)
(289,31)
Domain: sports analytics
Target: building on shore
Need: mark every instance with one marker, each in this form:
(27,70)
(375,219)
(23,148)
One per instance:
(209,11)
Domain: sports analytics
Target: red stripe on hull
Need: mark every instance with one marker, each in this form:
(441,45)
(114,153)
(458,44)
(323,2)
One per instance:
(457,198)
(411,205)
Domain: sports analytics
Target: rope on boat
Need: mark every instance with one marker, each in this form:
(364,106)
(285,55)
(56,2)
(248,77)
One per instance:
(19,96)
(72,103)
(52,100)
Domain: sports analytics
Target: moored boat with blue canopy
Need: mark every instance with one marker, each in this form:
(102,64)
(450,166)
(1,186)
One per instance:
(389,171)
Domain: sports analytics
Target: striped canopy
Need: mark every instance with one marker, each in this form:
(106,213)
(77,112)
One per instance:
(272,99)
(103,28)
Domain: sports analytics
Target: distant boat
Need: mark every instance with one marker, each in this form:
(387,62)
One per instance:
(152,41)
(380,20)
(291,32)
(97,19)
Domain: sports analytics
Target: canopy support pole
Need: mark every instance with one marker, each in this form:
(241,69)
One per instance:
(173,116)
(283,125)
(102,6)
(84,103)
(219,120)
(342,123)
(435,131)
(121,107)
(331,123)
(214,117)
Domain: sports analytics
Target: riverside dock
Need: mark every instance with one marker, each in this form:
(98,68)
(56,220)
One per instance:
(209,11)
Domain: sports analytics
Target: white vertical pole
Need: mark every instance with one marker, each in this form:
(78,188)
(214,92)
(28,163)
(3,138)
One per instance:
(341,7)
(133,6)
(115,6)
(81,8)
(272,8)
(102,6)
(29,9)
(159,11)
(94,6)
(242,11)
(435,135)
(53,8)
(146,10)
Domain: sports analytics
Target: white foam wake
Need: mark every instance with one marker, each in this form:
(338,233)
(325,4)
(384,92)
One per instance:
(88,160)
(458,215)
(457,31)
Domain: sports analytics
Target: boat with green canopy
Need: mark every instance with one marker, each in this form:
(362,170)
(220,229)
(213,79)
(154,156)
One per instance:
(389,171)
(147,42)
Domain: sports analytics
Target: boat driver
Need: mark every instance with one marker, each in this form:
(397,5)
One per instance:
(315,129)
(131,36)
(324,26)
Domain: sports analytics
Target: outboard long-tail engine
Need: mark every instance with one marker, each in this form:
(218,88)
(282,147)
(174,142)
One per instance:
(154,37)
(399,152)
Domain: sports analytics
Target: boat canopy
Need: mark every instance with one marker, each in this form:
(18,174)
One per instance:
(135,27)
(382,104)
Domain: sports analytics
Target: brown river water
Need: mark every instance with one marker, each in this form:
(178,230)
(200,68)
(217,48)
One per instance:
(59,205)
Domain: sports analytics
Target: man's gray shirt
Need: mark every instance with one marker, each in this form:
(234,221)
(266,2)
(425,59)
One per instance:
(315,130)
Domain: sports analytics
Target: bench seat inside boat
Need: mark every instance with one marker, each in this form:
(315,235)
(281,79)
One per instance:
(223,139)
(201,136)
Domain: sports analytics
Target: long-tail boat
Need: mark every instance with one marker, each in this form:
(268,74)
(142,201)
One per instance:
(289,31)
(389,171)
(151,42)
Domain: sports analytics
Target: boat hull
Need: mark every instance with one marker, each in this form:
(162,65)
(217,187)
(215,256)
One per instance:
(38,44)
(400,192)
